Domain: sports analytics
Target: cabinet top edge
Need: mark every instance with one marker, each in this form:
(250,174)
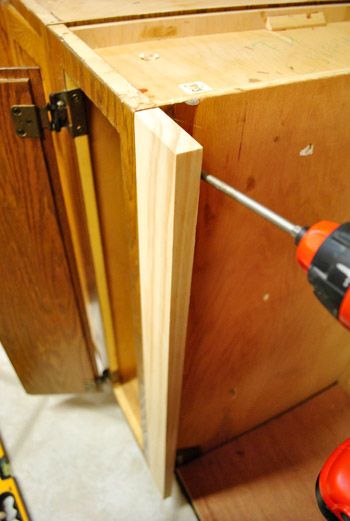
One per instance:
(89,11)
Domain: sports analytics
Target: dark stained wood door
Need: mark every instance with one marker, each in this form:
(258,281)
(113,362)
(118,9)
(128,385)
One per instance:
(41,325)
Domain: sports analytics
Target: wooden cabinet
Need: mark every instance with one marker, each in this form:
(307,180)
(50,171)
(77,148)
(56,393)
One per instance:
(209,325)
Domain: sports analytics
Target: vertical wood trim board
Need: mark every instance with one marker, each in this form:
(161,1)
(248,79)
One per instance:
(168,166)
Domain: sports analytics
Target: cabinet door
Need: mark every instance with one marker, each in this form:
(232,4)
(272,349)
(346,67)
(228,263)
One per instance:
(41,326)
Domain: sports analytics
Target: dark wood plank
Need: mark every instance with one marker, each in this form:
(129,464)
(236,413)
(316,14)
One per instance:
(40,323)
(270,472)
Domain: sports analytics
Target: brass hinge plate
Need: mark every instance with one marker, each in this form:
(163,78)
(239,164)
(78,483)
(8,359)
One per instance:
(65,109)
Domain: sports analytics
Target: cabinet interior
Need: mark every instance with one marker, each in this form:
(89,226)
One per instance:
(270,472)
(171,60)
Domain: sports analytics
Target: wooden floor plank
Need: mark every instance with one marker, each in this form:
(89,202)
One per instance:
(270,472)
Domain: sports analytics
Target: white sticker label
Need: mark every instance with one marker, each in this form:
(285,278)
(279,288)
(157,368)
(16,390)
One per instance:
(195,87)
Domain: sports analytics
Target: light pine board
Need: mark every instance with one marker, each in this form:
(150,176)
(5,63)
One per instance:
(258,340)
(270,473)
(168,166)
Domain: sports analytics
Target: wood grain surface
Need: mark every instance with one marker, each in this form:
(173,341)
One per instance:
(270,472)
(28,46)
(168,166)
(89,10)
(162,28)
(40,323)
(258,340)
(230,61)
(108,182)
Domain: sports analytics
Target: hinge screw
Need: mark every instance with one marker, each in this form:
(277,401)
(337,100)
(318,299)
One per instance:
(16,111)
(76,98)
(21,132)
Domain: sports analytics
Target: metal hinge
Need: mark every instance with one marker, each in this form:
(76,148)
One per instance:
(106,376)
(65,109)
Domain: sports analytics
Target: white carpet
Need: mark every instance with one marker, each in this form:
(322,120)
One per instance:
(76,460)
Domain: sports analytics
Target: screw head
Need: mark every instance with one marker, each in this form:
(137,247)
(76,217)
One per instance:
(16,111)
(21,132)
(60,105)
(76,98)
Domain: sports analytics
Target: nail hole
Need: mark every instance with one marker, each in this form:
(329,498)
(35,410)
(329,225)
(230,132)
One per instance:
(149,56)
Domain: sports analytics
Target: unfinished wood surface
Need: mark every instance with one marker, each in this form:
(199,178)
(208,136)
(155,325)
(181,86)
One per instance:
(40,323)
(270,473)
(106,88)
(90,10)
(128,397)
(168,166)
(105,149)
(168,71)
(160,28)
(297,21)
(258,340)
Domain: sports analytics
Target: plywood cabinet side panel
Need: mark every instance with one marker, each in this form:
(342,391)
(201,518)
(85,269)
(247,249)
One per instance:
(168,165)
(270,473)
(258,340)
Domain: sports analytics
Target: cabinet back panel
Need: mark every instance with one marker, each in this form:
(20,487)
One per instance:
(258,341)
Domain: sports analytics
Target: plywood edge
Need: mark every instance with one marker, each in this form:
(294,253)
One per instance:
(127,395)
(168,167)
